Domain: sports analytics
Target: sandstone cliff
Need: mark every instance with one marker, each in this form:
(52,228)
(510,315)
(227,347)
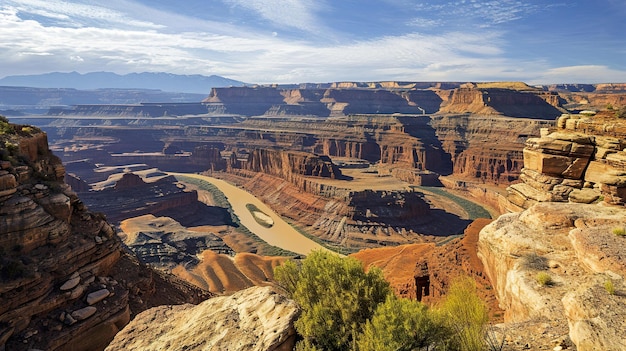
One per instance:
(56,257)
(575,247)
(65,282)
(253,319)
(582,160)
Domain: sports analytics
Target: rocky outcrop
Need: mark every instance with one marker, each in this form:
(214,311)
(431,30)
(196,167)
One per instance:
(164,243)
(574,246)
(126,195)
(65,282)
(253,319)
(54,254)
(582,161)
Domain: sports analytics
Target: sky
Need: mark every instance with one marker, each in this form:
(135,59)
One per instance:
(296,41)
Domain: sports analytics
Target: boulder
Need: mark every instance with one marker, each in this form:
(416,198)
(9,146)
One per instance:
(71,283)
(84,313)
(253,319)
(97,296)
(596,318)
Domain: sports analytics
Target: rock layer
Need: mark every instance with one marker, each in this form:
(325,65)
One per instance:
(53,251)
(583,160)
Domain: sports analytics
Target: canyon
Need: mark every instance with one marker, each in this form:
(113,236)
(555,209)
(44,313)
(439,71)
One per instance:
(383,171)
(63,287)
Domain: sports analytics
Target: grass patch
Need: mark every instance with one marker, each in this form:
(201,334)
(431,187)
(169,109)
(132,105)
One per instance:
(544,279)
(259,216)
(609,287)
(621,232)
(473,209)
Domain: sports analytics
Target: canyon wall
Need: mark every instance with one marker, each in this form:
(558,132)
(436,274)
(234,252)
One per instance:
(557,266)
(56,257)
(389,97)
(65,281)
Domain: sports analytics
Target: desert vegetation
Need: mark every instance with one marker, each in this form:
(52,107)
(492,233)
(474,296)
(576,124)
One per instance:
(609,287)
(621,232)
(346,308)
(544,279)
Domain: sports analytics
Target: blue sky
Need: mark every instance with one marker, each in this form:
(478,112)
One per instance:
(293,41)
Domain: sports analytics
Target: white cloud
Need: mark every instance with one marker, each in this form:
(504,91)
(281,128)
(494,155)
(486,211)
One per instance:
(581,74)
(489,12)
(28,46)
(77,14)
(299,14)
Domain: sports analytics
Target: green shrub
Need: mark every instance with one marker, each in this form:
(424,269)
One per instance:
(621,113)
(609,287)
(345,308)
(336,295)
(544,279)
(402,324)
(28,130)
(619,231)
(466,316)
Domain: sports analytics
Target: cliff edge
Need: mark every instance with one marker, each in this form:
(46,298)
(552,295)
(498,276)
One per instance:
(56,255)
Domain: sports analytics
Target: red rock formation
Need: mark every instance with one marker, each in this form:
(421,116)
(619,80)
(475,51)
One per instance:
(57,260)
(531,104)
(287,164)
(53,249)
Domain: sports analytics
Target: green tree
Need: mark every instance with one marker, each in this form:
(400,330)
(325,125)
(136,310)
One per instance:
(466,315)
(403,325)
(336,295)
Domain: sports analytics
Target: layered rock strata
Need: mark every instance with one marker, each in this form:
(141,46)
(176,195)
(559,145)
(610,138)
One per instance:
(65,282)
(560,265)
(582,161)
(516,100)
(56,257)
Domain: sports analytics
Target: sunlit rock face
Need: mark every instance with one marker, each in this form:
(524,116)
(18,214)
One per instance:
(574,245)
(582,160)
(256,319)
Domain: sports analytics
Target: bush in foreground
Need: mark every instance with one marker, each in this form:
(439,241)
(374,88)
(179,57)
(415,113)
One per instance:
(346,308)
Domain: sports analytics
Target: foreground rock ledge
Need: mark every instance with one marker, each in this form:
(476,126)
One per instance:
(574,244)
(253,319)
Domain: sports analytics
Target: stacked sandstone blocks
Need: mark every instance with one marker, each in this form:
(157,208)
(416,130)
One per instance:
(583,161)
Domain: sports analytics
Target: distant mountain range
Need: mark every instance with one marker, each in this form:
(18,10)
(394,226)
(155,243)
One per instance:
(168,82)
